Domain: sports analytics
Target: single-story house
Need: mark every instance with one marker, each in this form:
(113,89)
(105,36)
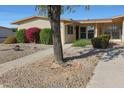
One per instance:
(5,32)
(79,29)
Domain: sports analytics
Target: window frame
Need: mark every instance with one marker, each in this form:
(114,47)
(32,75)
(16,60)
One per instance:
(90,30)
(70,29)
(111,30)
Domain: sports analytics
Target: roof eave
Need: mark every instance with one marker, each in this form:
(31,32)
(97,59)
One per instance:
(117,16)
(25,19)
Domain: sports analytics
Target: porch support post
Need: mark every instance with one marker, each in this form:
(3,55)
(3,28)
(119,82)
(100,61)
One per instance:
(96,31)
(63,34)
(86,32)
(123,31)
(74,31)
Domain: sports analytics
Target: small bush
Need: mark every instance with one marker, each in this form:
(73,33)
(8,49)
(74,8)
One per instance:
(96,42)
(46,36)
(106,36)
(20,36)
(101,42)
(82,42)
(32,34)
(10,40)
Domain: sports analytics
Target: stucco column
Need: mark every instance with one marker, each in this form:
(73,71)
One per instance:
(123,31)
(86,32)
(74,31)
(62,29)
(96,31)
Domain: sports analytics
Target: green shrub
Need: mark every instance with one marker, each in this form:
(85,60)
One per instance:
(101,42)
(10,40)
(20,36)
(106,36)
(81,42)
(96,42)
(46,36)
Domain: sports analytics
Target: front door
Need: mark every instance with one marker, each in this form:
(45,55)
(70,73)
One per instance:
(77,32)
(83,32)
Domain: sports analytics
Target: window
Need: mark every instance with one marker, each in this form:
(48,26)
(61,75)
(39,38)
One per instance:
(83,32)
(90,30)
(69,29)
(107,29)
(87,32)
(113,30)
(116,32)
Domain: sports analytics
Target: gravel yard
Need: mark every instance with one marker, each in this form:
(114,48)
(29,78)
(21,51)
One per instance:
(76,72)
(7,53)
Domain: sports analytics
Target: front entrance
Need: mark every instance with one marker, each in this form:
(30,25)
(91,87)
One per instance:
(77,32)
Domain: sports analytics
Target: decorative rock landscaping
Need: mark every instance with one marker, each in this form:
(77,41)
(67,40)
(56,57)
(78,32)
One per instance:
(8,52)
(76,72)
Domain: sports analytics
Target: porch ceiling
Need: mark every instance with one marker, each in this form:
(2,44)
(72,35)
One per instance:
(72,23)
(93,22)
(96,21)
(117,20)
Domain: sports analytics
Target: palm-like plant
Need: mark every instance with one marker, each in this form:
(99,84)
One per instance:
(53,12)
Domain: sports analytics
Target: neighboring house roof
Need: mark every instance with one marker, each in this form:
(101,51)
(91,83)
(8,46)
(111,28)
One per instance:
(106,20)
(5,28)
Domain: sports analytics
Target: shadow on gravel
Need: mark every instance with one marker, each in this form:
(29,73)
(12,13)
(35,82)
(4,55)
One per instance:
(113,51)
(84,54)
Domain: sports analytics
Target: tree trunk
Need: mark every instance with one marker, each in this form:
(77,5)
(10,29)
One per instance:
(54,12)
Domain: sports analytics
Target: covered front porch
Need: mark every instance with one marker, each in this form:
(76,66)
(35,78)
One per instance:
(89,30)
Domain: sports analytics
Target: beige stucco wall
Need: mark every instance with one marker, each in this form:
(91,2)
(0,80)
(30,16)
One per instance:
(40,23)
(123,31)
(62,26)
(69,38)
(96,31)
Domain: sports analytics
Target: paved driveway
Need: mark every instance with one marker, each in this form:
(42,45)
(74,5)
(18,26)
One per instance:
(109,73)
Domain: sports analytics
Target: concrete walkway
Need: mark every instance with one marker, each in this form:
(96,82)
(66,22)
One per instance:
(109,73)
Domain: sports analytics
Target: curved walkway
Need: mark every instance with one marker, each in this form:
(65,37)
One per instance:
(109,73)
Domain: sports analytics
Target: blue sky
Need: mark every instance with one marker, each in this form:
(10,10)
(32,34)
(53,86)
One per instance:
(11,13)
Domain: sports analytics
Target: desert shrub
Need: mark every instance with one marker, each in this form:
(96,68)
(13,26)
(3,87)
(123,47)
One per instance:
(46,36)
(20,36)
(32,34)
(101,42)
(10,40)
(81,42)
(106,36)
